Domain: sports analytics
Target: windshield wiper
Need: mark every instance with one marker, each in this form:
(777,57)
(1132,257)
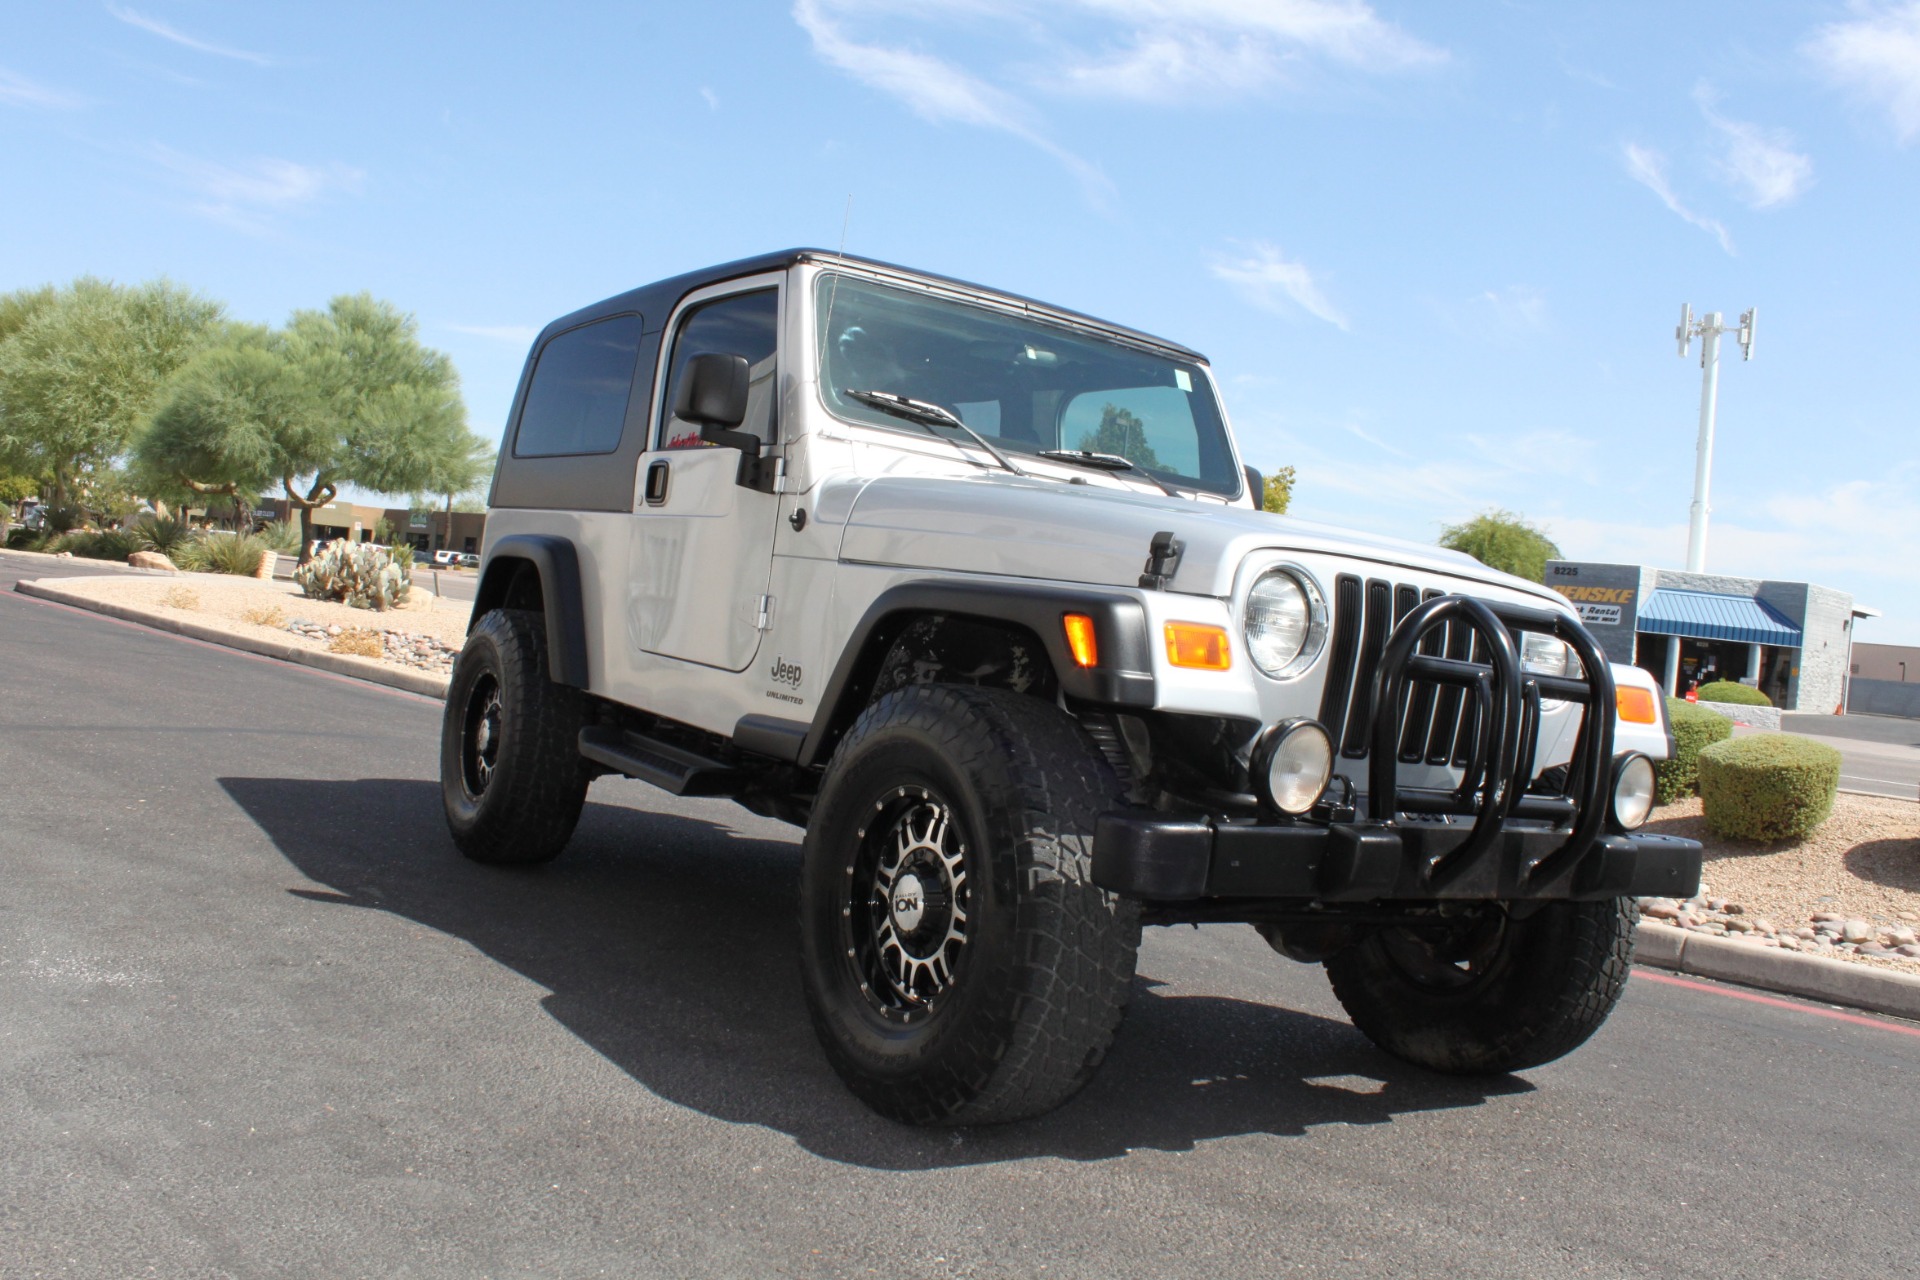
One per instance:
(928,415)
(1108,462)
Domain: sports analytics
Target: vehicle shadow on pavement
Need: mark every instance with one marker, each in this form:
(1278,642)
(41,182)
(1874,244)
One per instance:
(669,945)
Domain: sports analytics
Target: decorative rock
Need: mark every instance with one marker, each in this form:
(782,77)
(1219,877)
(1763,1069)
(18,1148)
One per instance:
(1734,909)
(1911,917)
(1857,931)
(1911,951)
(1825,917)
(1901,937)
(152,560)
(1660,909)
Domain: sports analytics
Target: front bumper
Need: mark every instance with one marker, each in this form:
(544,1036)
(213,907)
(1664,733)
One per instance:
(1486,840)
(1152,857)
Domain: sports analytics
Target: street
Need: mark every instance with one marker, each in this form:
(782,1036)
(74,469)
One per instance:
(262,1019)
(1880,755)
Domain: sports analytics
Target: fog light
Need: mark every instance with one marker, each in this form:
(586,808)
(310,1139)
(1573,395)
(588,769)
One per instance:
(1293,760)
(1632,791)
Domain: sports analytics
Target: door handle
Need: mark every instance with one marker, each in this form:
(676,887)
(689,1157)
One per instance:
(656,489)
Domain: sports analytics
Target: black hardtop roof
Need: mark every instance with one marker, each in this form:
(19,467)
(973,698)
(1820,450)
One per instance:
(654,301)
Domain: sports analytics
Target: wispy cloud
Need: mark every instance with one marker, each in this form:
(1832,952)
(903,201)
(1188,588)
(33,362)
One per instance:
(246,196)
(1760,163)
(1159,50)
(712,98)
(1497,315)
(514,334)
(1178,48)
(933,89)
(1264,277)
(1875,56)
(156,27)
(18,91)
(1649,169)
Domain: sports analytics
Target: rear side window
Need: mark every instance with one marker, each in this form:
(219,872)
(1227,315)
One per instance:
(577,402)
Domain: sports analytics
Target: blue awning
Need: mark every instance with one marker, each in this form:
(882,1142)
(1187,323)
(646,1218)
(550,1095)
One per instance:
(1701,615)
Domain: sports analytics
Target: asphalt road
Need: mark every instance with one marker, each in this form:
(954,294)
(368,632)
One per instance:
(260,1019)
(1880,755)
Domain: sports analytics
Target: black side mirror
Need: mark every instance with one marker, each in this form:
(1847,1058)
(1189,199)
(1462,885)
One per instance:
(713,393)
(1257,486)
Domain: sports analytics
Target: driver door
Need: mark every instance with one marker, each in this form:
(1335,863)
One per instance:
(702,544)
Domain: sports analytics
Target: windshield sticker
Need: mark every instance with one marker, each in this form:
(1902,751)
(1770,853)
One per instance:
(1183,380)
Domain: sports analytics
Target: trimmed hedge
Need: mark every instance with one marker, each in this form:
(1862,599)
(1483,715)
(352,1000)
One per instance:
(1729,691)
(1768,786)
(1694,729)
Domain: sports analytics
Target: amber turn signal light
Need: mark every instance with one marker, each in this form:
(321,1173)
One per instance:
(1197,645)
(1636,705)
(1080,640)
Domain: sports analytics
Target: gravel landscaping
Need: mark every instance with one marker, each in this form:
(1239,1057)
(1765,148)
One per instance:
(1851,890)
(423,635)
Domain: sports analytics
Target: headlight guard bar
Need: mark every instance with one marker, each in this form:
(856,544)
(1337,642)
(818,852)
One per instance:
(1507,705)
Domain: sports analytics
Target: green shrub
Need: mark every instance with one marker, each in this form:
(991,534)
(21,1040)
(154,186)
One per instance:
(25,539)
(361,575)
(236,553)
(282,535)
(64,518)
(163,534)
(190,555)
(1694,729)
(105,544)
(1728,691)
(1768,786)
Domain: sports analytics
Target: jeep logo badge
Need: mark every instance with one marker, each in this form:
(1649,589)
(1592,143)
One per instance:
(784,672)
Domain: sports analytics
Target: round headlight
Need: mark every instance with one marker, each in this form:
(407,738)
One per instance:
(1632,791)
(1286,623)
(1294,760)
(1546,655)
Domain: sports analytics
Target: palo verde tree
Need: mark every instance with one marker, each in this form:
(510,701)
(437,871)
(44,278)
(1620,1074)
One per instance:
(1502,540)
(81,371)
(342,396)
(1276,491)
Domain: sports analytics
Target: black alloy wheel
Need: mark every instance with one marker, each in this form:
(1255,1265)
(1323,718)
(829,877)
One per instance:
(511,777)
(959,966)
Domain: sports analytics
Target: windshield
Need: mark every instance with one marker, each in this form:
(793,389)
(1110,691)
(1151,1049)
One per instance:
(1025,386)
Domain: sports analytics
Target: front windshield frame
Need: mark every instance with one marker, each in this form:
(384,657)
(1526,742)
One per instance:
(1176,392)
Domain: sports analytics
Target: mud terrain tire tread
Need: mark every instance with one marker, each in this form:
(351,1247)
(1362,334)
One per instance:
(1055,982)
(529,810)
(1564,972)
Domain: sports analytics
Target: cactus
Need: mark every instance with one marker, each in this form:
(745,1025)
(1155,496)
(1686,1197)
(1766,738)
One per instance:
(363,576)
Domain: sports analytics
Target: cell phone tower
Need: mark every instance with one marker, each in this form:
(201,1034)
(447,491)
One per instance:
(1709,329)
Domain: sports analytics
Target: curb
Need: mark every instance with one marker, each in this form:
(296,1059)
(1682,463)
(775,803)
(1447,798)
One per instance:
(340,664)
(1859,986)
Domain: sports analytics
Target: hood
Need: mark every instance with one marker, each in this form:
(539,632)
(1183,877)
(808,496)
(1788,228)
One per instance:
(1022,528)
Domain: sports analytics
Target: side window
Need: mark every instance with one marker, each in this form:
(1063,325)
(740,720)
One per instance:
(577,402)
(744,324)
(1151,427)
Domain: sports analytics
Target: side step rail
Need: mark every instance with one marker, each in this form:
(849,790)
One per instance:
(672,769)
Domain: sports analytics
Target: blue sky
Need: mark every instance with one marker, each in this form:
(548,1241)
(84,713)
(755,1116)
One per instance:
(1436,253)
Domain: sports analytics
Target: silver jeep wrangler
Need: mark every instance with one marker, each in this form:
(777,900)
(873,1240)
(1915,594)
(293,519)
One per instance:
(978,591)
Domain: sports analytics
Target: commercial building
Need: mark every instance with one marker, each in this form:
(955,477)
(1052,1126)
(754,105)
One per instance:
(423,530)
(1791,640)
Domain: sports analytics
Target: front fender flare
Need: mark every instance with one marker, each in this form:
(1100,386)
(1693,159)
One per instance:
(1123,676)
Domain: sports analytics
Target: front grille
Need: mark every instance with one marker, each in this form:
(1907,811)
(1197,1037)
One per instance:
(1440,724)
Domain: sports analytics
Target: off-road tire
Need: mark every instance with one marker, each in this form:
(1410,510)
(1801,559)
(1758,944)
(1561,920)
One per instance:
(1538,992)
(1036,991)
(525,808)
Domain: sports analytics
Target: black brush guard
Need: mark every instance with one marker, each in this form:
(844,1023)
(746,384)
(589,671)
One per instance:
(1488,838)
